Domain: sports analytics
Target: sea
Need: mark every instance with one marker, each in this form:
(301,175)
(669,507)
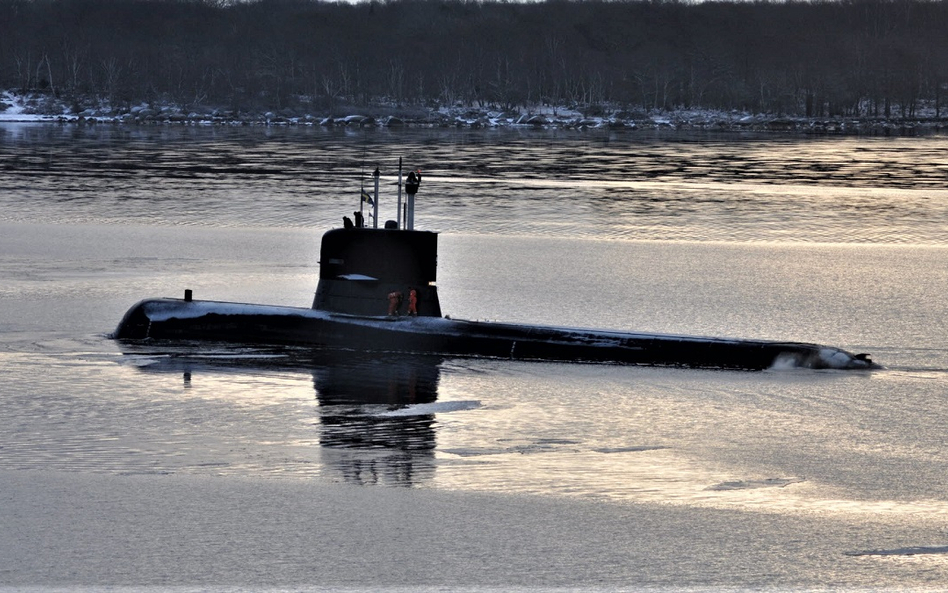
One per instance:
(226,467)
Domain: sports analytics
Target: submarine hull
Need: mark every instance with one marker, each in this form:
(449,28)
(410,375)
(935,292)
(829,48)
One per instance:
(175,319)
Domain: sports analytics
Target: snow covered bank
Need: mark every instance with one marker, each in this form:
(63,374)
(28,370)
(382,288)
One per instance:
(39,107)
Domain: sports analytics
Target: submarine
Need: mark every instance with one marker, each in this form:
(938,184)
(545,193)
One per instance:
(377,292)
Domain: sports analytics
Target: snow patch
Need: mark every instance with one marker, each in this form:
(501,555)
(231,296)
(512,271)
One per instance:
(17,111)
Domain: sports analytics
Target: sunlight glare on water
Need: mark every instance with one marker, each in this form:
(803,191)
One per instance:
(657,436)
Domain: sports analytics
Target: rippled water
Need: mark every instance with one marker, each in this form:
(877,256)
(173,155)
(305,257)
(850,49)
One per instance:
(567,184)
(781,479)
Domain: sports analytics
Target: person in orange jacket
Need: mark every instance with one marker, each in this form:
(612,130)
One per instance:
(412,301)
(394,302)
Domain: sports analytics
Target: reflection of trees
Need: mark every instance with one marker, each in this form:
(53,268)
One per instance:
(861,57)
(366,433)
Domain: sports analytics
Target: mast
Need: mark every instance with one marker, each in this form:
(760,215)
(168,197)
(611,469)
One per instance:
(411,188)
(375,206)
(399,212)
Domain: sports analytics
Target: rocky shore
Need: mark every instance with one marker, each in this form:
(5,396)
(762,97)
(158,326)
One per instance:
(38,107)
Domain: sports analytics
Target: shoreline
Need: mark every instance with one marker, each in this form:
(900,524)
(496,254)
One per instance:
(39,108)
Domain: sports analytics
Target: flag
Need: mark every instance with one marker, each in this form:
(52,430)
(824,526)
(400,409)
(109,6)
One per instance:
(367,198)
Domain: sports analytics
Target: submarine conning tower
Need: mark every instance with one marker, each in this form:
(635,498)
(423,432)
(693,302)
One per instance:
(360,267)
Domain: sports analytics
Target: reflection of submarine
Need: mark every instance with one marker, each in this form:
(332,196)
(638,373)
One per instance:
(367,272)
(376,416)
(374,427)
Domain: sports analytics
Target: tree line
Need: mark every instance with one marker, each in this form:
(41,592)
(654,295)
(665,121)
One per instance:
(866,58)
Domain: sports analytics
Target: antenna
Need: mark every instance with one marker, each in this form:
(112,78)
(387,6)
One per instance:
(375,206)
(362,194)
(399,214)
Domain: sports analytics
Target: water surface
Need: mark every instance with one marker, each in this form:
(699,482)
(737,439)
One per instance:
(498,473)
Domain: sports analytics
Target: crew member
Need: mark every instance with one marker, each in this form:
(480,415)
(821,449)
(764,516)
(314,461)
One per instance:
(394,302)
(412,183)
(412,301)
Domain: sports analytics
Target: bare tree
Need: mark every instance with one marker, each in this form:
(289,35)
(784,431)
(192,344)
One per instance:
(816,57)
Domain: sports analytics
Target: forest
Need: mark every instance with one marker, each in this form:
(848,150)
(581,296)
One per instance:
(859,58)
